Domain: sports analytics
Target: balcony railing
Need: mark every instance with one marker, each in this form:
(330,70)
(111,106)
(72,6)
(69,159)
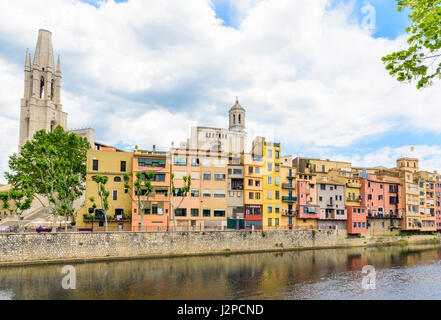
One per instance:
(288,186)
(289,212)
(289,199)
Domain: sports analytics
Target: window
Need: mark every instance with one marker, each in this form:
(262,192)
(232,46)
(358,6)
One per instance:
(206,193)
(320,198)
(219,213)
(117,179)
(277,180)
(277,210)
(270,180)
(277,195)
(277,167)
(250,170)
(195,212)
(181,212)
(219,176)
(95,165)
(270,208)
(270,194)
(323,168)
(206,213)
(115,195)
(207,176)
(269,153)
(195,162)
(355,224)
(257,183)
(148,162)
(257,195)
(270,222)
(123,166)
(206,162)
(380,197)
(180,161)
(154,209)
(277,154)
(322,187)
(250,182)
(194,193)
(195,175)
(237,171)
(251,195)
(219,193)
(257,170)
(270,167)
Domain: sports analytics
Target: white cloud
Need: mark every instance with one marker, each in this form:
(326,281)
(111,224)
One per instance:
(309,77)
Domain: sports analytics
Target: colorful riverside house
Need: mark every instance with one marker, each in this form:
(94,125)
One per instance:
(184,162)
(356,222)
(289,194)
(157,204)
(113,164)
(235,196)
(426,187)
(272,203)
(438,200)
(331,199)
(214,189)
(253,189)
(319,167)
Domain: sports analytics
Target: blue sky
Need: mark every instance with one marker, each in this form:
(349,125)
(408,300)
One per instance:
(309,75)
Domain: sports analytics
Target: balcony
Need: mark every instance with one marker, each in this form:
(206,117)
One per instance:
(289,213)
(288,186)
(353,185)
(289,199)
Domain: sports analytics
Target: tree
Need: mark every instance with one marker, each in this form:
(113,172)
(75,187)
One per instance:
(182,192)
(103,194)
(419,60)
(53,166)
(142,187)
(17,201)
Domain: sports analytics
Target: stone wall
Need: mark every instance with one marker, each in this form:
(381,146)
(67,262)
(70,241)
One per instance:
(43,247)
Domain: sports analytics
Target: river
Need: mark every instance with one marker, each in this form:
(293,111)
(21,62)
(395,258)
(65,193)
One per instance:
(407,272)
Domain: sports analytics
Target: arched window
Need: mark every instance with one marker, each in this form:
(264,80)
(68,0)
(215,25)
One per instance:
(53,125)
(239,119)
(234,119)
(41,87)
(52,89)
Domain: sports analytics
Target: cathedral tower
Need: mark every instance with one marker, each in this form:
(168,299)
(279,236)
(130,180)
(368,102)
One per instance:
(41,107)
(237,117)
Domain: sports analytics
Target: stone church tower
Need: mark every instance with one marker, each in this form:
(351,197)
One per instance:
(237,117)
(41,107)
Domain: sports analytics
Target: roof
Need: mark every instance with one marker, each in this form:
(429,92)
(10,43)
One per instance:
(237,106)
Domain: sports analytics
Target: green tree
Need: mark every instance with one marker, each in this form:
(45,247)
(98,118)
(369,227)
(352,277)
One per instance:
(142,188)
(179,192)
(420,60)
(53,166)
(17,201)
(103,194)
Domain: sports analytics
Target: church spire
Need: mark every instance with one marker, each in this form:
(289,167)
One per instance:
(44,54)
(28,61)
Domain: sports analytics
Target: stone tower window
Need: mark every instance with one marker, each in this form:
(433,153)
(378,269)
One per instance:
(234,119)
(53,125)
(239,119)
(52,89)
(41,87)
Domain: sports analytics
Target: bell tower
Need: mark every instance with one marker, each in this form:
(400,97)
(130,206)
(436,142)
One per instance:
(237,117)
(41,106)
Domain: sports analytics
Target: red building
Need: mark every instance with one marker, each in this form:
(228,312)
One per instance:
(356,223)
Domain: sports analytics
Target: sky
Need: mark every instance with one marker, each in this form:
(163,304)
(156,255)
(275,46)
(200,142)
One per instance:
(309,74)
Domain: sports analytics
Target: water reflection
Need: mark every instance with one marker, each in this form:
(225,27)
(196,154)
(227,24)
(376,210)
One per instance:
(401,273)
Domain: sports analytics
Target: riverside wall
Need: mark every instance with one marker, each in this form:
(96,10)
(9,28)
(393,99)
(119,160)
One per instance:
(52,247)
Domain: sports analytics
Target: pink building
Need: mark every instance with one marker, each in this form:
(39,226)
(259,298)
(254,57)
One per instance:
(356,223)
(381,198)
(305,210)
(438,203)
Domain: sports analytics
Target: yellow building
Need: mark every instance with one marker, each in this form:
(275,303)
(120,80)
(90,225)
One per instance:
(272,189)
(112,164)
(318,166)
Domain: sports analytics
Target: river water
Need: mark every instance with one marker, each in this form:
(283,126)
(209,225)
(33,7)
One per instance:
(408,272)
